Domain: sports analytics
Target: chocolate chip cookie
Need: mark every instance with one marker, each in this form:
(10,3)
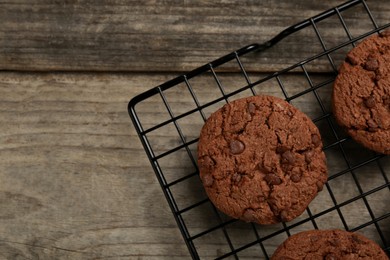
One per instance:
(361,93)
(328,245)
(261,160)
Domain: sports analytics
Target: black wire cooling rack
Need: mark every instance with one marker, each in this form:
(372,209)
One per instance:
(349,162)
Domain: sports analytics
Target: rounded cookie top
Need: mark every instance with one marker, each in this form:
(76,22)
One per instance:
(361,93)
(328,245)
(261,160)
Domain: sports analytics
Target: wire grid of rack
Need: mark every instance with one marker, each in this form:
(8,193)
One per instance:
(183,148)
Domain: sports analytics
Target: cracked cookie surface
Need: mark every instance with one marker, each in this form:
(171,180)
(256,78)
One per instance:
(361,93)
(328,245)
(261,160)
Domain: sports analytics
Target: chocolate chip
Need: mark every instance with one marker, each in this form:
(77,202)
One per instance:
(236,147)
(356,239)
(206,164)
(284,216)
(272,179)
(385,33)
(288,157)
(251,108)
(281,149)
(274,208)
(316,140)
(308,156)
(370,102)
(236,178)
(386,101)
(296,177)
(372,126)
(290,113)
(320,185)
(264,168)
(352,60)
(330,256)
(334,242)
(207,180)
(371,64)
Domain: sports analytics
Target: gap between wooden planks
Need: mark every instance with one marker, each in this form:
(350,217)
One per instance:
(164,36)
(76,183)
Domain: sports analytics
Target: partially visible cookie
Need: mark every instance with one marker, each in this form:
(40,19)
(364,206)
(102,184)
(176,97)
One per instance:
(328,245)
(361,93)
(261,160)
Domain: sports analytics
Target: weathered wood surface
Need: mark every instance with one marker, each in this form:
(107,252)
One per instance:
(76,184)
(74,179)
(169,35)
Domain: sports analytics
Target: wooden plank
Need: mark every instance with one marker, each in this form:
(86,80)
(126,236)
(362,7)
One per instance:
(169,35)
(76,183)
(71,172)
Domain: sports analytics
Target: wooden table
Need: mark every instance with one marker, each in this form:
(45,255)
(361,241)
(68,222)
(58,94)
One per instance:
(75,180)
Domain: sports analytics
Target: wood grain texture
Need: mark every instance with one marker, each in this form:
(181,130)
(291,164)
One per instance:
(76,184)
(117,35)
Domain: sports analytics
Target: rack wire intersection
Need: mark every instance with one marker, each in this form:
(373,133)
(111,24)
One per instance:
(184,146)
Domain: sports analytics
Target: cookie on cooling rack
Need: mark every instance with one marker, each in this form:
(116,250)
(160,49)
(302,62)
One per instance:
(261,160)
(328,245)
(361,93)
